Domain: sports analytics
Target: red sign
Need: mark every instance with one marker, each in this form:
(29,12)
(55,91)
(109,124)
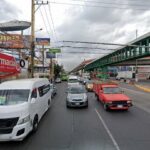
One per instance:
(8,66)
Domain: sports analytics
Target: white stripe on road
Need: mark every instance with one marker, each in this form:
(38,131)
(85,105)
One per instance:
(133,90)
(108,131)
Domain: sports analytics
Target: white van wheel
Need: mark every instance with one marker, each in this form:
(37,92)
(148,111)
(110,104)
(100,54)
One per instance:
(49,103)
(35,123)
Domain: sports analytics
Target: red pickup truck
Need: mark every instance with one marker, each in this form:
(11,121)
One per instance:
(111,96)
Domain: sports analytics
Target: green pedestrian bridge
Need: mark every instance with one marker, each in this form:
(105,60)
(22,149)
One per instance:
(126,55)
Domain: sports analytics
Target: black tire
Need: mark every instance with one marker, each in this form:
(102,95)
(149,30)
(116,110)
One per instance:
(87,105)
(106,107)
(97,98)
(49,103)
(35,124)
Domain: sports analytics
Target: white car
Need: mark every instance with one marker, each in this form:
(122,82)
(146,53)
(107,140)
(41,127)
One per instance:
(22,105)
(73,80)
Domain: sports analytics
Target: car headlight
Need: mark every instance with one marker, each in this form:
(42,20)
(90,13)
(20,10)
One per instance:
(85,98)
(110,102)
(24,120)
(128,102)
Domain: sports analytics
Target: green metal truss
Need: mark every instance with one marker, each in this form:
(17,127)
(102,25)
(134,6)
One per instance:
(138,49)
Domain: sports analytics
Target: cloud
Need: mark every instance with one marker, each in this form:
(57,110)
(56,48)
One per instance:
(8,11)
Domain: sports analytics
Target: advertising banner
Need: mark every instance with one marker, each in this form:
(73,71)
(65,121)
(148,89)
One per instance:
(8,66)
(14,41)
(43,41)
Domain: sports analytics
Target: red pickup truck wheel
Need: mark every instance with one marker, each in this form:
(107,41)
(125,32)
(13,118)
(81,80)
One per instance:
(106,107)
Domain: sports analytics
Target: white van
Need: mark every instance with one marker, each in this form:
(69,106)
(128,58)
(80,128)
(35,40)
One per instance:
(22,105)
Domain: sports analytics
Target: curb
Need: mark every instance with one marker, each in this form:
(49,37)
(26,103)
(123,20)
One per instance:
(143,88)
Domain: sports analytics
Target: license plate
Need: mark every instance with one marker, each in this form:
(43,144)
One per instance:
(77,103)
(119,106)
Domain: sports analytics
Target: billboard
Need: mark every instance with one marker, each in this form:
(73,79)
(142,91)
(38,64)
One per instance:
(43,41)
(50,55)
(14,41)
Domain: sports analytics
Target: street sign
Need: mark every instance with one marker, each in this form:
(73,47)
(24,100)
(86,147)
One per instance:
(50,55)
(54,50)
(43,41)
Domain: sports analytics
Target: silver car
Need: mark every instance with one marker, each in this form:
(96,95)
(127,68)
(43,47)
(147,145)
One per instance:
(76,96)
(53,90)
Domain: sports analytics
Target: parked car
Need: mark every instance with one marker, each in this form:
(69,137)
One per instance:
(22,105)
(76,96)
(58,80)
(111,96)
(53,90)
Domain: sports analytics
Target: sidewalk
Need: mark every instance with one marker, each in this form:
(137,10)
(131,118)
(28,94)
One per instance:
(143,85)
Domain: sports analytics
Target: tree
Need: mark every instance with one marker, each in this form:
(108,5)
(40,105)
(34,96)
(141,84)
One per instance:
(57,70)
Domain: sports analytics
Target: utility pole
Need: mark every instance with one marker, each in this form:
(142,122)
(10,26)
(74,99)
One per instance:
(33,31)
(32,37)
(43,57)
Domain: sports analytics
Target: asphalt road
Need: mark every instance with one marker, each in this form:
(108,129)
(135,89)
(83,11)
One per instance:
(88,128)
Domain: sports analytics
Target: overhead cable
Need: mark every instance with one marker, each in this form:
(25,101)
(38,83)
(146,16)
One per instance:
(101,43)
(49,8)
(108,3)
(98,6)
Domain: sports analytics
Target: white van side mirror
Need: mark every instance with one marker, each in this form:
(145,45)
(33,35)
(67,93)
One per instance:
(33,100)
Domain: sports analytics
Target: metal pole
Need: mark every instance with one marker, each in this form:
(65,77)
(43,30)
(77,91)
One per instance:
(51,69)
(136,70)
(43,57)
(32,37)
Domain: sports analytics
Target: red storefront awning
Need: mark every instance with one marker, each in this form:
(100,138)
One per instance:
(8,66)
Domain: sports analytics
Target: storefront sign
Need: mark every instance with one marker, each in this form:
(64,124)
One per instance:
(14,41)
(8,66)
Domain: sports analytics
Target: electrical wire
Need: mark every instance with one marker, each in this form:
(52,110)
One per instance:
(48,20)
(75,52)
(50,13)
(101,43)
(44,21)
(86,48)
(98,6)
(108,3)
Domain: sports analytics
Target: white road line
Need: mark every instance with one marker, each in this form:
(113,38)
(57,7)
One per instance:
(108,131)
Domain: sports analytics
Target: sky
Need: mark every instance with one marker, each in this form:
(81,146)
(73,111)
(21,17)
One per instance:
(109,21)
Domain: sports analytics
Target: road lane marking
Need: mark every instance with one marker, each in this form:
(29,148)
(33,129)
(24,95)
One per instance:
(107,130)
(133,91)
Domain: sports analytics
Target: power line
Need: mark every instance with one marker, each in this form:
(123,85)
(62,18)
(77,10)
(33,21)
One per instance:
(48,19)
(98,6)
(85,53)
(114,44)
(77,47)
(49,8)
(120,4)
(44,21)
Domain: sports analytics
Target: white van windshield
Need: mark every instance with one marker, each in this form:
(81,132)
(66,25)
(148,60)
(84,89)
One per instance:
(12,97)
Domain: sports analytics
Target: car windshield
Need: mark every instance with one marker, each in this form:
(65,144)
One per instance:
(73,80)
(12,97)
(76,90)
(111,90)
